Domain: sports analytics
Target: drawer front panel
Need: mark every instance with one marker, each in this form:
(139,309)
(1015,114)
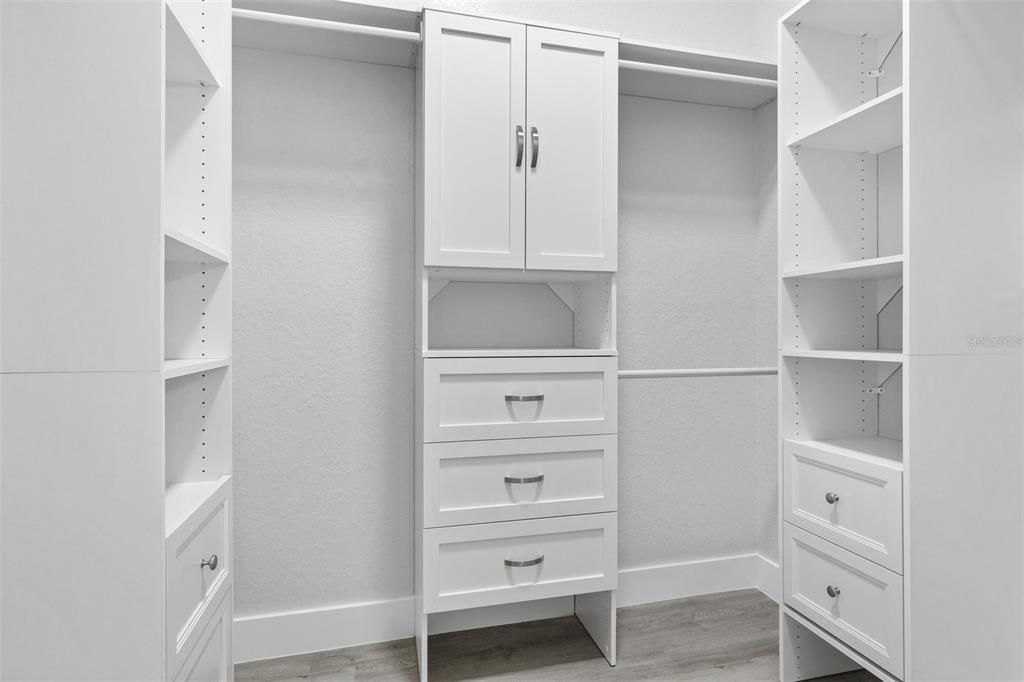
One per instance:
(867,611)
(865,514)
(191,587)
(499,563)
(505,480)
(490,398)
(210,658)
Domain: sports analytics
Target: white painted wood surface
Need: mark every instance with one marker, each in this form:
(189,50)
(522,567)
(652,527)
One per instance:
(572,140)
(466,399)
(867,612)
(464,566)
(854,501)
(194,590)
(959,387)
(467,482)
(474,96)
(61,214)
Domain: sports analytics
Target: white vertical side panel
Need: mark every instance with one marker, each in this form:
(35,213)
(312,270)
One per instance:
(83,526)
(572,187)
(962,170)
(79,284)
(963,517)
(474,96)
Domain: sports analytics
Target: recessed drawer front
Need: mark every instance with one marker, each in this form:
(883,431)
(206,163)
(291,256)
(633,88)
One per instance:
(194,576)
(505,480)
(856,504)
(500,563)
(856,600)
(210,659)
(489,398)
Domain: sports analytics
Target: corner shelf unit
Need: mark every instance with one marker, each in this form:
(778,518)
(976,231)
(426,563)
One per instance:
(197,338)
(883,389)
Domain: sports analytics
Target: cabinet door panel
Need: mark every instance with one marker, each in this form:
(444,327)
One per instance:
(572,183)
(474,94)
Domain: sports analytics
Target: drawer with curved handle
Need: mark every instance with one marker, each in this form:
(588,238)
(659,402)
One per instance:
(506,480)
(490,398)
(853,501)
(198,566)
(856,600)
(500,563)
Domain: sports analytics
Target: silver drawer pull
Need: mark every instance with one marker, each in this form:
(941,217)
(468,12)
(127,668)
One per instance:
(535,143)
(524,398)
(529,562)
(210,563)
(524,479)
(831,498)
(520,143)
(832,591)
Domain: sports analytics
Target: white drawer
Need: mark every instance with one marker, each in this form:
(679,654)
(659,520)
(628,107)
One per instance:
(485,398)
(504,480)
(210,658)
(865,514)
(469,566)
(867,612)
(192,588)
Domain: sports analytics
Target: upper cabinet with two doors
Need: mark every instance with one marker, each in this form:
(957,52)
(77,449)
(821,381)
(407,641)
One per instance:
(520,146)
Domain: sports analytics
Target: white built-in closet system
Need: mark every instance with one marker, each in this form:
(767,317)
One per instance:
(517,252)
(115,350)
(900,221)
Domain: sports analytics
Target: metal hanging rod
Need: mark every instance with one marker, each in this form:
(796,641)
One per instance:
(339,26)
(702,372)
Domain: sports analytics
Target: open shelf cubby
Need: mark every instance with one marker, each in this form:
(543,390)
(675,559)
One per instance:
(197,413)
(490,313)
(819,314)
(828,399)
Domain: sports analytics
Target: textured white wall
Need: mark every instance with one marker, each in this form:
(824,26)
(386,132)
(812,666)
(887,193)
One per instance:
(323,317)
(323,331)
(692,293)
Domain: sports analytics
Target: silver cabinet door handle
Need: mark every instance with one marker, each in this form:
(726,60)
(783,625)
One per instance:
(520,144)
(528,562)
(210,563)
(831,498)
(524,398)
(534,145)
(832,591)
(524,479)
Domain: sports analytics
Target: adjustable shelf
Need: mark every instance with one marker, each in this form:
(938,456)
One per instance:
(885,267)
(183,500)
(873,127)
(887,452)
(862,18)
(181,248)
(184,367)
(185,60)
(862,355)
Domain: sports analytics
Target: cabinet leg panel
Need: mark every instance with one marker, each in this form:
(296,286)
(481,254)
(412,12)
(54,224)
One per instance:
(596,612)
(421,645)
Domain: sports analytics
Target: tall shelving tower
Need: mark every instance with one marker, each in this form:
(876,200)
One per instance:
(900,219)
(115,340)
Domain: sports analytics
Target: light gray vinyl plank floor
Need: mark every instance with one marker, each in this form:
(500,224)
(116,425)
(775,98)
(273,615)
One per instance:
(728,636)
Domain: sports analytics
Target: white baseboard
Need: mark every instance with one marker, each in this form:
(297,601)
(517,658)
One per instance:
(769,578)
(288,633)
